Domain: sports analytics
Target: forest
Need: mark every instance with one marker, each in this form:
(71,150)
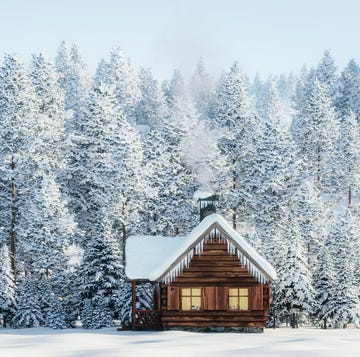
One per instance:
(87,160)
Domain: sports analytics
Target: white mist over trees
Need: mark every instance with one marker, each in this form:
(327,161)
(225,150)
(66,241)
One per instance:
(86,162)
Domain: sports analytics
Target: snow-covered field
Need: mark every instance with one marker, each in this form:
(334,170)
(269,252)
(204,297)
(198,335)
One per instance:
(308,342)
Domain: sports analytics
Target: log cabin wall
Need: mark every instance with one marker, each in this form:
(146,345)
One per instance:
(215,272)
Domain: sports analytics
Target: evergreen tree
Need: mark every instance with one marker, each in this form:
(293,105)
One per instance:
(326,74)
(18,111)
(348,98)
(297,290)
(316,132)
(324,277)
(28,313)
(46,227)
(119,73)
(106,164)
(230,112)
(56,317)
(151,107)
(275,171)
(74,80)
(101,269)
(202,88)
(7,285)
(346,299)
(348,155)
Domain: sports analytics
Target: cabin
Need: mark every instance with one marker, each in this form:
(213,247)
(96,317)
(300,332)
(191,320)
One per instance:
(209,280)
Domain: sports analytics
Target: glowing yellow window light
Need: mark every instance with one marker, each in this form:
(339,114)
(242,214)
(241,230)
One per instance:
(191,299)
(239,299)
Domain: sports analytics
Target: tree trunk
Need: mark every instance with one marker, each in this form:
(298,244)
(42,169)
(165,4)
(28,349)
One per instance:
(318,165)
(234,187)
(349,197)
(13,220)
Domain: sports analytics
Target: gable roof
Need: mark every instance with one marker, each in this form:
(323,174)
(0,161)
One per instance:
(162,259)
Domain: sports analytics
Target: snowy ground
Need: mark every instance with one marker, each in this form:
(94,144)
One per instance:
(307,342)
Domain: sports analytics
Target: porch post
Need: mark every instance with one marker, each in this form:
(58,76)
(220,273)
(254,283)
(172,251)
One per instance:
(133,303)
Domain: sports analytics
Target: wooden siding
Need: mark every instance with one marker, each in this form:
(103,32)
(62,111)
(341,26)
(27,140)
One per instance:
(215,271)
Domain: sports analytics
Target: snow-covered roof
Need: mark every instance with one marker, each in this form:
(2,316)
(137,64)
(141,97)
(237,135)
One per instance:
(158,258)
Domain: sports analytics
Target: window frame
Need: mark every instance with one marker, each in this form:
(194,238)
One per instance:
(192,296)
(239,296)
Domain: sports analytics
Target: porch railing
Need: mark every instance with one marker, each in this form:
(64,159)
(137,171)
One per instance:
(148,319)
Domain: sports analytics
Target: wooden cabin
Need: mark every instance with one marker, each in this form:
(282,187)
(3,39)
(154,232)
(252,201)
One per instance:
(211,279)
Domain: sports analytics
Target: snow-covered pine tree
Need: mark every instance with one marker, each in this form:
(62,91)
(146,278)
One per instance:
(312,213)
(294,274)
(119,73)
(18,110)
(326,73)
(343,235)
(55,317)
(316,132)
(101,271)
(324,280)
(230,112)
(201,89)
(180,179)
(347,167)
(96,314)
(51,121)
(275,171)
(7,285)
(151,107)
(74,80)
(124,303)
(28,312)
(63,65)
(348,98)
(106,164)
(45,227)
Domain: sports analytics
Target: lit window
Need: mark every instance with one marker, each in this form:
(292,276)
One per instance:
(239,299)
(191,299)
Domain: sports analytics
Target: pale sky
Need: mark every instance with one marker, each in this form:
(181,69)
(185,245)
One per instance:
(265,36)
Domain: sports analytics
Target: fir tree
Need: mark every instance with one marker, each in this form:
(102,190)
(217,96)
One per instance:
(28,313)
(316,131)
(324,277)
(18,111)
(119,73)
(346,299)
(202,88)
(298,292)
(101,268)
(151,107)
(326,74)
(7,285)
(46,227)
(348,155)
(230,112)
(348,98)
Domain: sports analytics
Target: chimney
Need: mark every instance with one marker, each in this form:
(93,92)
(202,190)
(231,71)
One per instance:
(207,206)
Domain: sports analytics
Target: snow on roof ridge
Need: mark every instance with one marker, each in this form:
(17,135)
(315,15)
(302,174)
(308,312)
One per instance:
(178,254)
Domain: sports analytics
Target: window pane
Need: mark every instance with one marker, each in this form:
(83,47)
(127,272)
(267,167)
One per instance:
(186,303)
(244,292)
(233,303)
(244,303)
(196,292)
(233,292)
(185,292)
(196,303)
